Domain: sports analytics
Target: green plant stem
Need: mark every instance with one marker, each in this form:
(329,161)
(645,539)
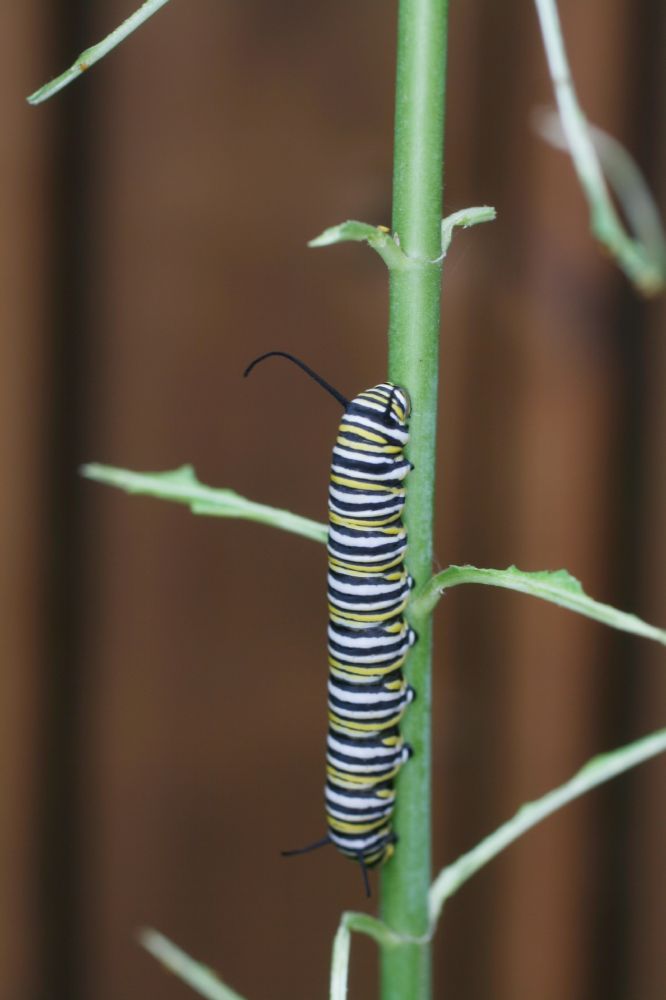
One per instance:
(86,59)
(642,262)
(413,362)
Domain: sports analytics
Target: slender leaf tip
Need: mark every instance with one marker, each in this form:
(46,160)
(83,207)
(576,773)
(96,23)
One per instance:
(199,977)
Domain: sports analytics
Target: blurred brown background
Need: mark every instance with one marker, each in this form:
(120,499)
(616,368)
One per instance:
(162,695)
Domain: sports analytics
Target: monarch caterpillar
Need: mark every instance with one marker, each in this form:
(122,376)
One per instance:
(368,635)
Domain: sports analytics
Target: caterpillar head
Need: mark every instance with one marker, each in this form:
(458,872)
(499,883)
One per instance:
(389,404)
(400,403)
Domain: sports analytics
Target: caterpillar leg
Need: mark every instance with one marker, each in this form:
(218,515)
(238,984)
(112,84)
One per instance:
(306,850)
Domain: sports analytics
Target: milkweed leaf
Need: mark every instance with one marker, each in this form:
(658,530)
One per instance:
(182,486)
(557,586)
(597,770)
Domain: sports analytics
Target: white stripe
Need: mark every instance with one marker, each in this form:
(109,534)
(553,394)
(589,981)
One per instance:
(377,500)
(342,765)
(357,679)
(364,558)
(363,456)
(372,542)
(358,642)
(395,475)
(373,659)
(357,843)
(365,698)
(369,404)
(394,434)
(338,607)
(368,589)
(367,703)
(338,595)
(363,753)
(357,817)
(367,716)
(351,802)
(372,512)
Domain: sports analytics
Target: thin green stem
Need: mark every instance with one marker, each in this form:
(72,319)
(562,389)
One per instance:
(413,362)
(362,923)
(98,51)
(642,265)
(197,976)
(598,770)
(625,180)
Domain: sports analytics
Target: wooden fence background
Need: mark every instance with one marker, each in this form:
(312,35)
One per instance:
(162,693)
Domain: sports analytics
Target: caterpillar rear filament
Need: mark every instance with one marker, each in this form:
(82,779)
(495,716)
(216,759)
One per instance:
(368,635)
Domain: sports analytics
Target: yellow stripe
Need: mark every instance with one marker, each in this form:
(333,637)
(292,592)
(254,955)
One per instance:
(365,727)
(349,616)
(359,569)
(386,449)
(387,854)
(358,484)
(340,827)
(371,859)
(370,668)
(363,570)
(355,522)
(362,433)
(343,779)
(387,577)
(379,525)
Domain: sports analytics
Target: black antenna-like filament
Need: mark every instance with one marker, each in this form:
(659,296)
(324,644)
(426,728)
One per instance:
(306,368)
(322,843)
(364,869)
(306,850)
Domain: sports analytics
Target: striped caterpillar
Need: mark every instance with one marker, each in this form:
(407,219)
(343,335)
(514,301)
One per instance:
(368,635)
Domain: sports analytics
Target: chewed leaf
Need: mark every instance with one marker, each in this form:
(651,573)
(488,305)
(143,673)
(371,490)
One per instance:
(378,237)
(557,586)
(465,218)
(349,231)
(560,579)
(182,486)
